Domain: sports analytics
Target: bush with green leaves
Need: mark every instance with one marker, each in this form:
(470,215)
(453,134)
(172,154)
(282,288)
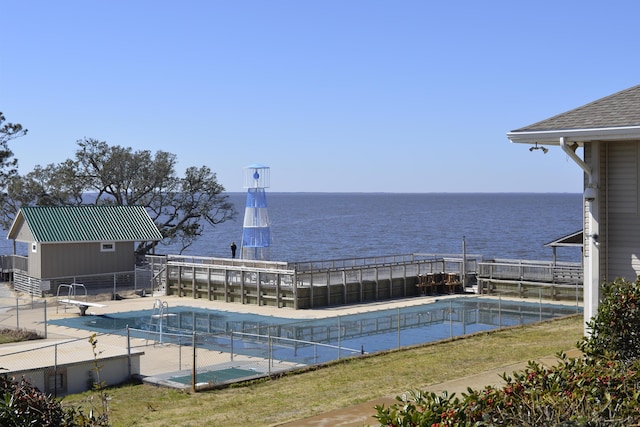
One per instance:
(22,404)
(615,330)
(598,388)
(575,392)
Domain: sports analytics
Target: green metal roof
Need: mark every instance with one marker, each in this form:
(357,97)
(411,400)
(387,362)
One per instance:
(56,224)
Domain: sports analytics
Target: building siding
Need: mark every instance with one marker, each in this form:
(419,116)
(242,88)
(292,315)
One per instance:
(64,259)
(24,234)
(620,226)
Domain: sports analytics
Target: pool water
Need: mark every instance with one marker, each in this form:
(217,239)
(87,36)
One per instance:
(319,340)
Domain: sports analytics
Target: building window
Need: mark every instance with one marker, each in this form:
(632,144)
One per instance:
(55,380)
(107,247)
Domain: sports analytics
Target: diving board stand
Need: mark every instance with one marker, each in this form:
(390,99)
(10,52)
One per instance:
(71,298)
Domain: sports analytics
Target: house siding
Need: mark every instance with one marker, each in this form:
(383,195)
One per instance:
(34,262)
(76,259)
(620,222)
(24,234)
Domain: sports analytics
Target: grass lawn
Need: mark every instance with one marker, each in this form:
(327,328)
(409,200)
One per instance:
(339,384)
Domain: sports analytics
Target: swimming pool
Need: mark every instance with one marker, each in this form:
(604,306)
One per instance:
(325,339)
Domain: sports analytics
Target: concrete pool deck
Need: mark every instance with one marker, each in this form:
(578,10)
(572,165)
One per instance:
(153,360)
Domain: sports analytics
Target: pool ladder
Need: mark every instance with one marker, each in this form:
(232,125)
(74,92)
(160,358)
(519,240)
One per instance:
(158,314)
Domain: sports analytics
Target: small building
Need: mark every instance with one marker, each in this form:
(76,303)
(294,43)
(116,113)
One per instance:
(67,242)
(608,131)
(573,240)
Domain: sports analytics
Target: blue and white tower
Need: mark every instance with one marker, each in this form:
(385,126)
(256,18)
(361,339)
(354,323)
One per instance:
(256,235)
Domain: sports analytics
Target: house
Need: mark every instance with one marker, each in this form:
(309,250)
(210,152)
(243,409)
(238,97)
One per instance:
(66,242)
(608,130)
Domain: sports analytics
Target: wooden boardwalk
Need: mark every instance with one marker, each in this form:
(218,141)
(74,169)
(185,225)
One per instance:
(522,278)
(326,283)
(303,285)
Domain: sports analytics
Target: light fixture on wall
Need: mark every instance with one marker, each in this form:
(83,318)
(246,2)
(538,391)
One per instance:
(544,149)
(590,194)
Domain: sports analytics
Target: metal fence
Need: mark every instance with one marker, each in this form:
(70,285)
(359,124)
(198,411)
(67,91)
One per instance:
(199,360)
(61,367)
(207,352)
(24,314)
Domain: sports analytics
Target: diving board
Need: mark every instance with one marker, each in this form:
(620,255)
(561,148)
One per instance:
(82,305)
(72,291)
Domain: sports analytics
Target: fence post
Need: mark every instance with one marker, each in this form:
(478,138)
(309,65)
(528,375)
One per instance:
(128,352)
(45,319)
(499,311)
(180,352)
(464,320)
(398,327)
(193,368)
(269,350)
(540,300)
(450,318)
(55,370)
(339,337)
(231,349)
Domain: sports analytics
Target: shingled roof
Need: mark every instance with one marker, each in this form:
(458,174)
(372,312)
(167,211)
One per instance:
(64,224)
(619,109)
(614,117)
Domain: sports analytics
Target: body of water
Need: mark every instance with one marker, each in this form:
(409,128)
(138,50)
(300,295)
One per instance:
(317,226)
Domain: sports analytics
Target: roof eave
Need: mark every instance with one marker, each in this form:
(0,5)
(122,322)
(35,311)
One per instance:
(13,230)
(552,137)
(44,242)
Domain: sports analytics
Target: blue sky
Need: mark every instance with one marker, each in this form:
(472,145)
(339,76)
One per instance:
(335,96)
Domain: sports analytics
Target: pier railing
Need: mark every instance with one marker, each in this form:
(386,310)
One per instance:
(303,284)
(377,261)
(522,278)
(310,284)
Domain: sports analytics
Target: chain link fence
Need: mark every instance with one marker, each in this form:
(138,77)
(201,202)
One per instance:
(199,360)
(198,350)
(28,315)
(61,367)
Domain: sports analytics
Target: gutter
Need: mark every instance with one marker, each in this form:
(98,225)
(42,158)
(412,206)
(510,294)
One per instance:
(550,137)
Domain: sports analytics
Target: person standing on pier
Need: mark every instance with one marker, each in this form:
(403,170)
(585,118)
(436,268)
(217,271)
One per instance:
(233,249)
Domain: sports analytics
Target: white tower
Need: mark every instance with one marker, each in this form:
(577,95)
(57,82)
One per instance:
(256,235)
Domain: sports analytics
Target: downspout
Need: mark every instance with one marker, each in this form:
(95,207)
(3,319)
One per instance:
(591,285)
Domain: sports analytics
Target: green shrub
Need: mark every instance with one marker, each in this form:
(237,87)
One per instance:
(615,330)
(599,388)
(22,404)
(575,392)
